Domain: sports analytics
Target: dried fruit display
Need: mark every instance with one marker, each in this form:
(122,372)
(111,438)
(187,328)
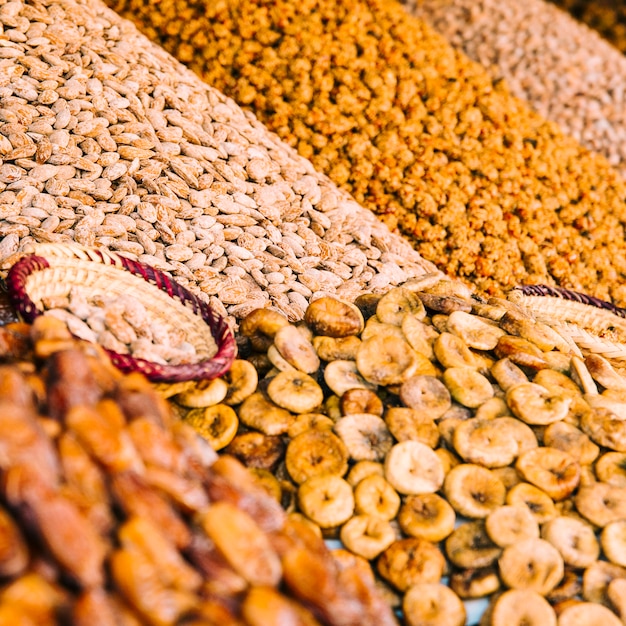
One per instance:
(427,139)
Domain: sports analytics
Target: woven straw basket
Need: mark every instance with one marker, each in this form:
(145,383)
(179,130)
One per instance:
(593,325)
(55,269)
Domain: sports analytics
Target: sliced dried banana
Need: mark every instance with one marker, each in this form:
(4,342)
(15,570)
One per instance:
(522,607)
(539,503)
(327,500)
(260,326)
(412,467)
(295,391)
(582,377)
(335,348)
(469,546)
(259,413)
(475,332)
(279,362)
(552,470)
(367,535)
(574,539)
(296,349)
(432,604)
(427,516)
(507,374)
(361,401)
(509,524)
(374,495)
(533,564)
(204,393)
(426,394)
(390,361)
(570,439)
(588,614)
(218,424)
(242,379)
(342,376)
(534,404)
(611,468)
(366,436)
(487,442)
(316,452)
(467,386)
(407,562)
(451,351)
(541,335)
(396,304)
(473,490)
(603,372)
(409,425)
(333,317)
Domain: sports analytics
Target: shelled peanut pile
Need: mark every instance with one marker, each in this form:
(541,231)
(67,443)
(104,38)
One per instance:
(608,17)
(438,435)
(485,189)
(114,512)
(564,70)
(106,140)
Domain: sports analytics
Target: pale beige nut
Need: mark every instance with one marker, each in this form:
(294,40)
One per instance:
(309,421)
(426,394)
(469,584)
(605,427)
(260,413)
(296,349)
(488,442)
(374,495)
(412,467)
(552,470)
(242,543)
(336,348)
(427,516)
(362,469)
(467,386)
(327,500)
(432,604)
(532,564)
(613,540)
(587,613)
(534,404)
(367,535)
(204,393)
(507,374)
(469,546)
(316,452)
(396,304)
(218,424)
(333,317)
(260,326)
(509,524)
(597,578)
(361,401)
(342,376)
(242,379)
(538,502)
(407,562)
(574,539)
(522,607)
(420,336)
(295,391)
(409,425)
(365,436)
(473,490)
(390,361)
(600,503)
(570,439)
(475,332)
(611,468)
(452,351)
